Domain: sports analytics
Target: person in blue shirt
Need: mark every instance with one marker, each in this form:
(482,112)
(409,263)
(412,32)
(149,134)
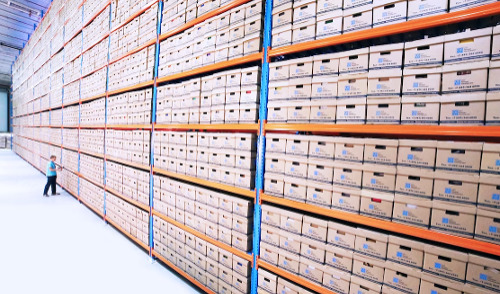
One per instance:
(51,176)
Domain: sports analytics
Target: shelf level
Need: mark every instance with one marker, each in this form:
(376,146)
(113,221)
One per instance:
(129,127)
(91,154)
(203,236)
(235,127)
(125,162)
(91,207)
(137,241)
(131,88)
(480,246)
(182,273)
(91,181)
(403,130)
(400,28)
(294,278)
(127,199)
(206,183)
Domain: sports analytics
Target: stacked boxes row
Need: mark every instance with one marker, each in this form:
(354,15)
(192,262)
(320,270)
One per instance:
(93,113)
(130,218)
(129,182)
(70,160)
(365,85)
(271,283)
(229,35)
(346,259)
(70,138)
(391,179)
(177,13)
(68,180)
(56,86)
(94,84)
(225,97)
(132,70)
(45,118)
(227,158)
(71,92)
(92,195)
(74,23)
(92,141)
(134,34)
(130,108)
(92,168)
(300,21)
(95,58)
(122,11)
(132,146)
(93,32)
(220,216)
(214,267)
(91,8)
(56,117)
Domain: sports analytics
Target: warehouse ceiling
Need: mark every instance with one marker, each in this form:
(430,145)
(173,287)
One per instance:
(18,20)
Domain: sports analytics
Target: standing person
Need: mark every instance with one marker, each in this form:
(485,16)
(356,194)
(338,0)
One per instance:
(51,176)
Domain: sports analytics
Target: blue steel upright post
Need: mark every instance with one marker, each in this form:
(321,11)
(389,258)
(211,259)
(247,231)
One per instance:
(79,104)
(261,142)
(106,112)
(153,121)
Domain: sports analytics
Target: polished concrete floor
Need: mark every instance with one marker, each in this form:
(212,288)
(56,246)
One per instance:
(57,245)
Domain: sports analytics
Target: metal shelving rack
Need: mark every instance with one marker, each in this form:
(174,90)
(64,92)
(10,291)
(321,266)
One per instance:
(474,132)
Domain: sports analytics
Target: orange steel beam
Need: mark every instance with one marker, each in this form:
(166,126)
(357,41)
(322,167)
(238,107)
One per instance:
(242,127)
(96,14)
(127,199)
(134,15)
(131,88)
(182,273)
(202,18)
(426,234)
(92,153)
(294,278)
(129,127)
(408,26)
(206,183)
(93,98)
(122,161)
(91,181)
(213,67)
(420,130)
(203,236)
(139,242)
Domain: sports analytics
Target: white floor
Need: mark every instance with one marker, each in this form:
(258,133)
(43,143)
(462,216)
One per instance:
(57,245)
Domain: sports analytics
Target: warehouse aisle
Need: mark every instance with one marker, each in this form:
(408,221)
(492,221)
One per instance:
(56,245)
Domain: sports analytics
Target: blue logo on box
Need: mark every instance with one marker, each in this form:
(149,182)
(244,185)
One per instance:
(349,64)
(458,82)
(363,270)
(434,292)
(454,112)
(341,201)
(317,148)
(384,14)
(408,185)
(315,172)
(460,50)
(291,191)
(315,196)
(370,206)
(353,22)
(337,238)
(375,154)
(447,190)
(445,220)
(347,88)
(483,277)
(373,181)
(451,160)
(414,113)
(334,259)
(497,162)
(379,86)
(417,56)
(410,157)
(320,90)
(415,85)
(405,212)
(365,246)
(495,197)
(395,280)
(346,113)
(378,113)
(344,152)
(380,60)
(342,177)
(399,254)
(437,265)
(493,229)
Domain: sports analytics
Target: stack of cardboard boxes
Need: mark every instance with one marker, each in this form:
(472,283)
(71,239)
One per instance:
(93,32)
(220,216)
(132,146)
(71,91)
(345,259)
(431,184)
(122,10)
(365,85)
(229,35)
(133,69)
(71,51)
(70,138)
(94,58)
(56,85)
(73,20)
(44,118)
(56,117)
(130,108)
(129,182)
(225,97)
(92,168)
(93,113)
(271,283)
(70,160)
(94,84)
(71,115)
(227,158)
(68,180)
(92,141)
(133,220)
(92,195)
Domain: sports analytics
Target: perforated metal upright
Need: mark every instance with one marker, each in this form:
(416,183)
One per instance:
(79,105)
(106,112)
(261,142)
(153,121)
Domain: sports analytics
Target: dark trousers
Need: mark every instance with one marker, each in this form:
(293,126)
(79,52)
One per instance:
(51,181)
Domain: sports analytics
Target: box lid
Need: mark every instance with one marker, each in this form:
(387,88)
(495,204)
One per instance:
(403,269)
(337,274)
(475,146)
(304,24)
(289,255)
(302,3)
(372,235)
(412,171)
(441,251)
(311,264)
(381,142)
(248,106)
(466,66)
(377,195)
(316,221)
(469,34)
(412,202)
(282,7)
(443,282)
(488,213)
(374,261)
(359,9)
(417,143)
(406,242)
(327,139)
(281,29)
(319,185)
(250,69)
(348,165)
(300,81)
(288,285)
(340,227)
(470,289)
(315,243)
(361,51)
(331,14)
(251,36)
(386,73)
(352,101)
(496,29)
(354,76)
(276,136)
(347,140)
(272,209)
(294,103)
(296,181)
(325,79)
(248,87)
(424,42)
(323,102)
(421,99)
(421,71)
(383,100)
(253,18)
(387,47)
(327,56)
(493,96)
(367,284)
(489,179)
(318,161)
(281,83)
(389,169)
(347,190)
(491,147)
(445,205)
(452,176)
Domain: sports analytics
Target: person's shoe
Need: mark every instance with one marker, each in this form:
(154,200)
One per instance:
(45,195)
(56,194)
